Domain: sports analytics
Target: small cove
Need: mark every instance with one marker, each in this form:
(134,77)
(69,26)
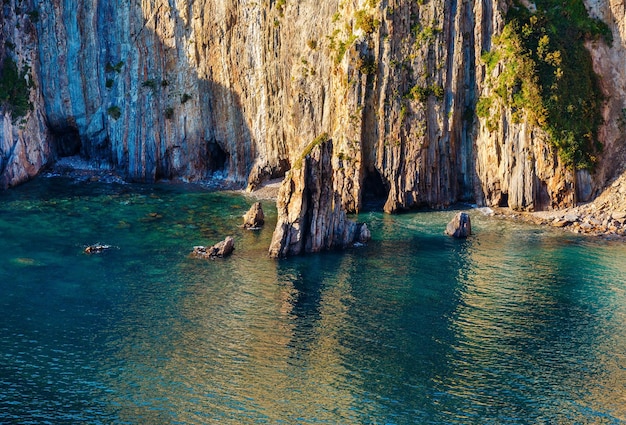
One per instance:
(517,324)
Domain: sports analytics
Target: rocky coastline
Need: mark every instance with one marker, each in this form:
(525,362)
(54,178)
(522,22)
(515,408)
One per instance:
(604,217)
(79,169)
(576,220)
(407,91)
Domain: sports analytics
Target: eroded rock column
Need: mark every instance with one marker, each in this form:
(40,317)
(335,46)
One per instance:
(310,215)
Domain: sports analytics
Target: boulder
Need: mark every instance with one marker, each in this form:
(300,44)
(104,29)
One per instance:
(364,234)
(219,250)
(254,218)
(618,215)
(558,222)
(460,226)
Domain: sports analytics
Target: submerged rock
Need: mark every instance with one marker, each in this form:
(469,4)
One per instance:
(219,250)
(310,213)
(254,218)
(96,248)
(460,226)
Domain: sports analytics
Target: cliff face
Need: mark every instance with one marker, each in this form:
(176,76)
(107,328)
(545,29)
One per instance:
(24,137)
(610,64)
(186,89)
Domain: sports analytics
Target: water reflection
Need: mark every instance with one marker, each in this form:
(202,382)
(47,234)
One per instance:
(255,340)
(515,325)
(526,329)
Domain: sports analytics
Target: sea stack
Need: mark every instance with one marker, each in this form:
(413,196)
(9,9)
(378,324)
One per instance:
(310,213)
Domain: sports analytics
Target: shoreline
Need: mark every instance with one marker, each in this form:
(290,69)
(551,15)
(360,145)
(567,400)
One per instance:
(605,216)
(576,220)
(267,191)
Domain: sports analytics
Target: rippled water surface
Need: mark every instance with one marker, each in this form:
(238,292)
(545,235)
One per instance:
(518,324)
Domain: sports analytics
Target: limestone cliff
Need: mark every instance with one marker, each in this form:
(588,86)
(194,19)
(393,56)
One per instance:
(25,143)
(191,89)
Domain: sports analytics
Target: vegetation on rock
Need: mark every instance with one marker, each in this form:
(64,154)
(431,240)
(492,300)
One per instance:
(366,21)
(114,112)
(547,76)
(114,68)
(280,7)
(307,150)
(15,89)
(421,93)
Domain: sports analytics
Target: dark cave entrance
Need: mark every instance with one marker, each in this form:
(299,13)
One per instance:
(374,191)
(66,141)
(504,200)
(217,158)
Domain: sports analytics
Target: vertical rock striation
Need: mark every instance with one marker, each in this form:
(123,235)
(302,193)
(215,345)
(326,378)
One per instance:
(25,142)
(193,89)
(311,217)
(610,62)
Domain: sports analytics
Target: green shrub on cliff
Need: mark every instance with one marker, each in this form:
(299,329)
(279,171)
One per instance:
(15,89)
(548,77)
(34,16)
(342,48)
(422,93)
(150,84)
(280,7)
(367,65)
(307,150)
(366,22)
(114,68)
(114,112)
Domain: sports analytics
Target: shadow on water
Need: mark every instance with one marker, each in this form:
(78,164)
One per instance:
(390,330)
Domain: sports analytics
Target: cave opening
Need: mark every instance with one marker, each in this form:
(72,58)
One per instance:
(217,158)
(374,190)
(504,200)
(66,141)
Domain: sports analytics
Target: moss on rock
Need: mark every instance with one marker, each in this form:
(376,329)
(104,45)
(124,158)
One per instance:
(548,77)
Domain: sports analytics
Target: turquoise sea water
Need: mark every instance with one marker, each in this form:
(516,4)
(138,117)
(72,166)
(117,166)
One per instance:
(518,324)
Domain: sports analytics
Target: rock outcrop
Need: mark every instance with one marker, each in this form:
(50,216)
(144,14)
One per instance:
(311,217)
(25,138)
(460,226)
(219,250)
(196,89)
(255,217)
